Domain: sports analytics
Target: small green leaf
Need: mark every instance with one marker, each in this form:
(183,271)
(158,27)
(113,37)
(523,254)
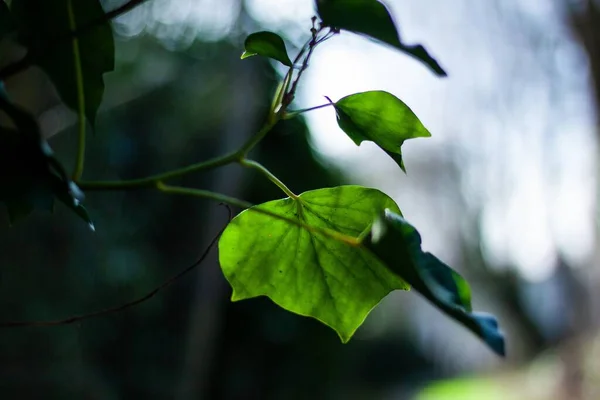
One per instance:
(379,117)
(371,18)
(305,272)
(398,244)
(44,24)
(266,44)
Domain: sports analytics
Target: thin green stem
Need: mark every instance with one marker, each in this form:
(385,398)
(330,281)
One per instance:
(260,135)
(295,113)
(282,88)
(80,161)
(206,194)
(151,181)
(260,168)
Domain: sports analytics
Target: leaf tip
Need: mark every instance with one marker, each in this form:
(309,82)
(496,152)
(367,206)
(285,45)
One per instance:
(246,54)
(344,336)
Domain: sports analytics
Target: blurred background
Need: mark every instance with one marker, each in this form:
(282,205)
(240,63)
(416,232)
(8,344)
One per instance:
(506,192)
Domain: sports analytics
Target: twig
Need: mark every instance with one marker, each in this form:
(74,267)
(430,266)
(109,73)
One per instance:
(310,45)
(122,307)
(28,59)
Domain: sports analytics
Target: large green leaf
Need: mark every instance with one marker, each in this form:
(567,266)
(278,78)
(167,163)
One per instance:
(398,244)
(266,44)
(371,18)
(46,24)
(30,177)
(307,272)
(381,118)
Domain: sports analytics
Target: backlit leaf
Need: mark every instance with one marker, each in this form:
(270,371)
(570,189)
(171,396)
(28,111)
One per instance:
(379,117)
(306,272)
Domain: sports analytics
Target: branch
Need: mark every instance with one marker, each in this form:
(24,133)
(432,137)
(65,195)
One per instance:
(122,307)
(28,60)
(151,181)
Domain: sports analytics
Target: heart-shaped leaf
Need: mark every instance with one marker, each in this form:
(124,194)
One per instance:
(398,244)
(379,117)
(266,44)
(304,271)
(371,18)
(44,25)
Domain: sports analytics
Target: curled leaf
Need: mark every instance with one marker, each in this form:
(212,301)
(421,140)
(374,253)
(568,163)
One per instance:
(398,244)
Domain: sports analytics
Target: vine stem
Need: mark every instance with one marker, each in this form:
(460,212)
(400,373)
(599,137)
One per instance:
(206,194)
(151,181)
(260,168)
(295,113)
(80,161)
(122,307)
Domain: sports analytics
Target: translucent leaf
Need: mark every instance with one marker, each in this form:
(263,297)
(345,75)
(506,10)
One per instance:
(305,272)
(266,44)
(371,18)
(379,117)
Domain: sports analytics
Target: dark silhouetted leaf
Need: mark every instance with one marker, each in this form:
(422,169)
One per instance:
(30,177)
(266,44)
(305,272)
(371,18)
(379,117)
(45,24)
(398,244)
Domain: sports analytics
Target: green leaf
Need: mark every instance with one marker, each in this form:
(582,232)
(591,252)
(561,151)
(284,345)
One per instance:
(266,44)
(398,244)
(30,177)
(379,117)
(305,272)
(44,25)
(371,18)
